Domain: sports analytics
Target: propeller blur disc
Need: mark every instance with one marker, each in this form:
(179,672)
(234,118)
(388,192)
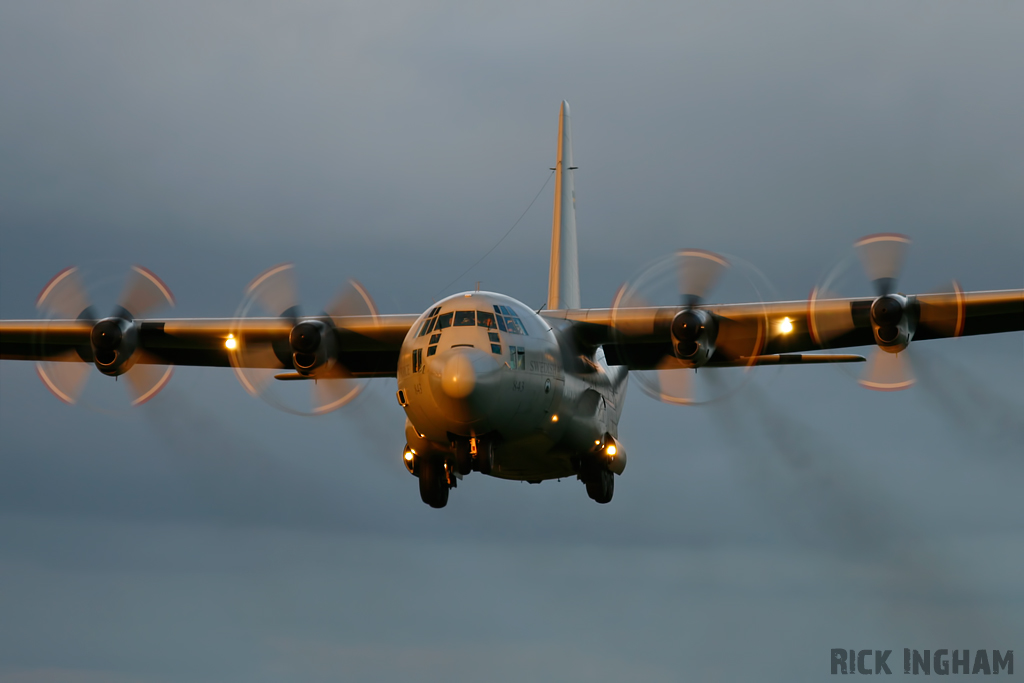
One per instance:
(64,375)
(262,355)
(882,255)
(645,306)
(881,258)
(144,293)
(698,272)
(877,267)
(887,371)
(68,315)
(65,296)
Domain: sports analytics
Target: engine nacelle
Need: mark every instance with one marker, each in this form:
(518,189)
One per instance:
(892,322)
(312,344)
(113,342)
(693,336)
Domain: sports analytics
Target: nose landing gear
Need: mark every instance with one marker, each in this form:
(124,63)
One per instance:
(474,453)
(463,456)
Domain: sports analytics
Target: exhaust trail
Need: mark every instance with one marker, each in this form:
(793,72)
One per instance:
(378,422)
(235,479)
(992,423)
(825,503)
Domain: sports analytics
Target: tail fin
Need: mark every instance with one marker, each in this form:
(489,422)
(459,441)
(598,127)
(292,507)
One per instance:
(564,273)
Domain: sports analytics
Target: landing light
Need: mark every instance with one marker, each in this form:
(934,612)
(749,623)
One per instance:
(554,418)
(611,450)
(408,456)
(231,343)
(785,326)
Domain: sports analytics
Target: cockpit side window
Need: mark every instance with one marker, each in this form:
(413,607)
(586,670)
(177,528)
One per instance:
(444,320)
(465,318)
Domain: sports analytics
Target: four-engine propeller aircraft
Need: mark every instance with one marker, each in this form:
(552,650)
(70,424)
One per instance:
(487,384)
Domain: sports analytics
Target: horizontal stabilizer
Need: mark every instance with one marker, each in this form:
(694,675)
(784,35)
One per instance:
(792,359)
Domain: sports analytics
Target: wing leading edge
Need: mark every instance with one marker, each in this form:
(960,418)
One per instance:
(640,337)
(369,347)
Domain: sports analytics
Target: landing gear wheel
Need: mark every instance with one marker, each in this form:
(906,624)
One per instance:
(433,483)
(463,458)
(601,486)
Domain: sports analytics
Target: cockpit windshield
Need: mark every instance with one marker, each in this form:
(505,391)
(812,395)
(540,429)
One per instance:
(509,321)
(504,318)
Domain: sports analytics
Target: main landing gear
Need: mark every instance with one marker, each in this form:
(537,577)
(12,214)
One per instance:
(600,481)
(439,472)
(434,486)
(597,469)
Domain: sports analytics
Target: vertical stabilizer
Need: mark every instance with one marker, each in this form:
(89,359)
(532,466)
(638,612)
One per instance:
(564,274)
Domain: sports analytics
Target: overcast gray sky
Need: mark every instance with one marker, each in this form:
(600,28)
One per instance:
(208,537)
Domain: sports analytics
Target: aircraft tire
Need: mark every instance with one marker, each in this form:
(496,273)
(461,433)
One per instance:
(601,486)
(433,484)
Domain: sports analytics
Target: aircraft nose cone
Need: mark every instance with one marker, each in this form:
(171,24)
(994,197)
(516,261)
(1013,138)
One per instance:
(458,377)
(464,383)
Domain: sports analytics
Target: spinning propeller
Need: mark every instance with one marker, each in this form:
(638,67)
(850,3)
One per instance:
(893,318)
(270,335)
(113,342)
(683,340)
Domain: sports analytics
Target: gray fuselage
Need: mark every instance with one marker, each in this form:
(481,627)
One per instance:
(483,365)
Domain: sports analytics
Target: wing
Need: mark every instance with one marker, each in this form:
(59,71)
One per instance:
(757,333)
(368,346)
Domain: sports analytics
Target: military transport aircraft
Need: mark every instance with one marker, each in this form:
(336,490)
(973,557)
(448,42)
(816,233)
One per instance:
(487,384)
